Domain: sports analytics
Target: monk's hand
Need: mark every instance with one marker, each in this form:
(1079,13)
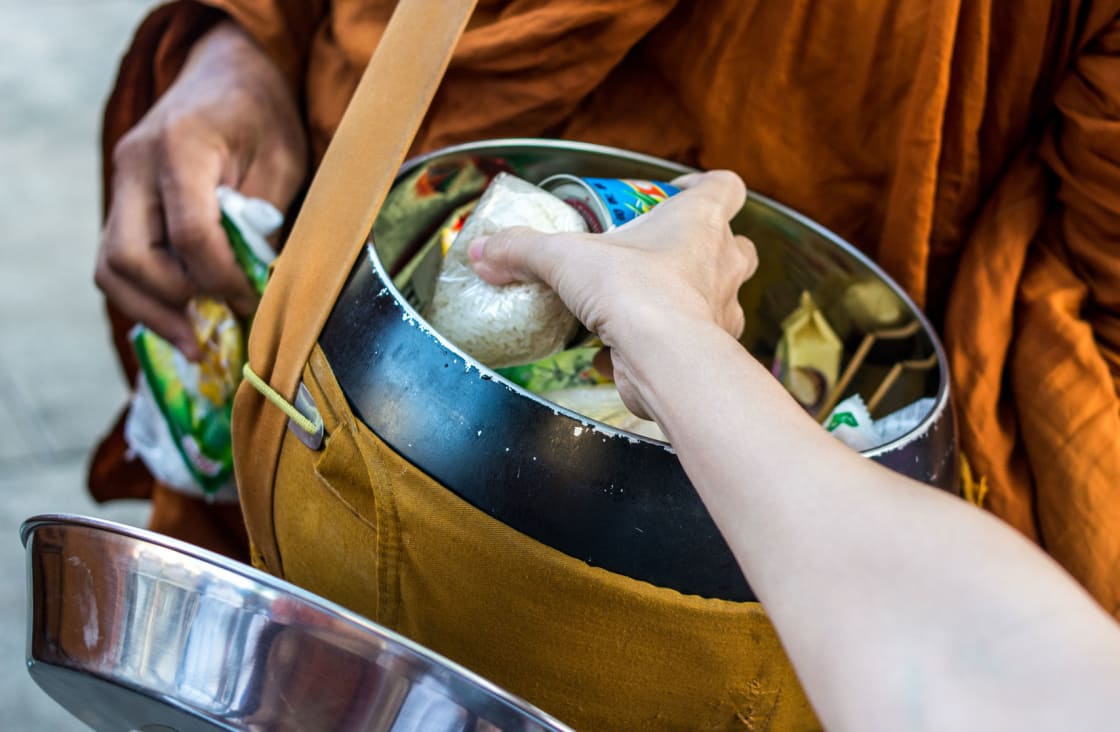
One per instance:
(229,118)
(679,265)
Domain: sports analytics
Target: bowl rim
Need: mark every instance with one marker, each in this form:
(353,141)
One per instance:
(932,417)
(457,676)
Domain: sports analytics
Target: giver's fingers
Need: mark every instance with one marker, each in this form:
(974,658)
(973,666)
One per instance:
(750,256)
(747,265)
(736,260)
(683,254)
(518,254)
(723,188)
(733,320)
(188,176)
(738,263)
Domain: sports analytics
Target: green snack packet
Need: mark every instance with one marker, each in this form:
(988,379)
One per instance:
(807,359)
(247,221)
(179,423)
(199,427)
(563,370)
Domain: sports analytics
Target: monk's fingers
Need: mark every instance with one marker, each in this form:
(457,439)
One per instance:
(188,175)
(275,175)
(132,248)
(135,270)
(169,322)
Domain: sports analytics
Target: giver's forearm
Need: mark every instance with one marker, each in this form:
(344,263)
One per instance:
(870,578)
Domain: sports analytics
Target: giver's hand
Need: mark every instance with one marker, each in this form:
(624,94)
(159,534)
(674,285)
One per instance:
(230,119)
(677,266)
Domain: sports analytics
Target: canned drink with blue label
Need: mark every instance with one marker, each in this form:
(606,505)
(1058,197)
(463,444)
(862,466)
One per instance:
(606,203)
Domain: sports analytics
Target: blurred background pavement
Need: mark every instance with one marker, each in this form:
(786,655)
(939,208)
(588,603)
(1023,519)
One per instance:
(59,382)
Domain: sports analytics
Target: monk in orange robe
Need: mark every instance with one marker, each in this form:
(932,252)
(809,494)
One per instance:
(971,149)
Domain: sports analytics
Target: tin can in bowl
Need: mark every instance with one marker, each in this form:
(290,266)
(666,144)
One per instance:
(605,203)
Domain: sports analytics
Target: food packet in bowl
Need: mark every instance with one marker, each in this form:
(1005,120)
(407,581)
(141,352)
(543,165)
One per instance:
(564,370)
(604,404)
(851,423)
(807,359)
(511,324)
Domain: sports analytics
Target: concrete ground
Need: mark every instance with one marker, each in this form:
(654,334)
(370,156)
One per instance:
(59,384)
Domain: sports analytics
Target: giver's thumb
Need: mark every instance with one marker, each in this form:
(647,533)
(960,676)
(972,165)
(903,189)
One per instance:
(518,254)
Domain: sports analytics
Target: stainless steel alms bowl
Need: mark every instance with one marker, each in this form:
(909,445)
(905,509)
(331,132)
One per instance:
(131,630)
(610,498)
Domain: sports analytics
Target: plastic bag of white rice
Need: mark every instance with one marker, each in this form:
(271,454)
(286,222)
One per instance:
(511,324)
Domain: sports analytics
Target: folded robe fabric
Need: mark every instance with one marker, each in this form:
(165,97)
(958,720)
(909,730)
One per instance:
(972,149)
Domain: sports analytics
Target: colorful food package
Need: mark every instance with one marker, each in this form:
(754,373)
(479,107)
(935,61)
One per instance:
(417,278)
(179,421)
(872,305)
(512,324)
(606,203)
(564,370)
(419,202)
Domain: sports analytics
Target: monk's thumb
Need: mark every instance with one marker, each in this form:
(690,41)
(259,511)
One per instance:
(518,254)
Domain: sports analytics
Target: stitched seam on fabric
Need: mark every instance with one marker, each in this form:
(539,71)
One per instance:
(385,524)
(388,540)
(326,484)
(321,372)
(757,709)
(768,720)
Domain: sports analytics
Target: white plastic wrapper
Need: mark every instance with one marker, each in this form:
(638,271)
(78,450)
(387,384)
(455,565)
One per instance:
(851,423)
(179,417)
(512,324)
(897,424)
(149,438)
(604,404)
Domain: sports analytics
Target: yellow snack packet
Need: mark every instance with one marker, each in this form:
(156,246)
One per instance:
(807,360)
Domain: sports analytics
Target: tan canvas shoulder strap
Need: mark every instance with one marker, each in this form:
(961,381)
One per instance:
(344,198)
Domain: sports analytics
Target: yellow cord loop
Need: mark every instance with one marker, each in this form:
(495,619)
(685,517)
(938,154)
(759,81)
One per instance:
(307,425)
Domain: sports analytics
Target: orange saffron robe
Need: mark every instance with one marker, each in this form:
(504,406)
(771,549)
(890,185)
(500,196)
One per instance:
(971,148)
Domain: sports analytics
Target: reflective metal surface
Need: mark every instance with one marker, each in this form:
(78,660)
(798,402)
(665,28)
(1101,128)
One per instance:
(609,498)
(130,630)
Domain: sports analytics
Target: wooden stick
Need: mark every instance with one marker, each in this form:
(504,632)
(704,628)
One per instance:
(854,365)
